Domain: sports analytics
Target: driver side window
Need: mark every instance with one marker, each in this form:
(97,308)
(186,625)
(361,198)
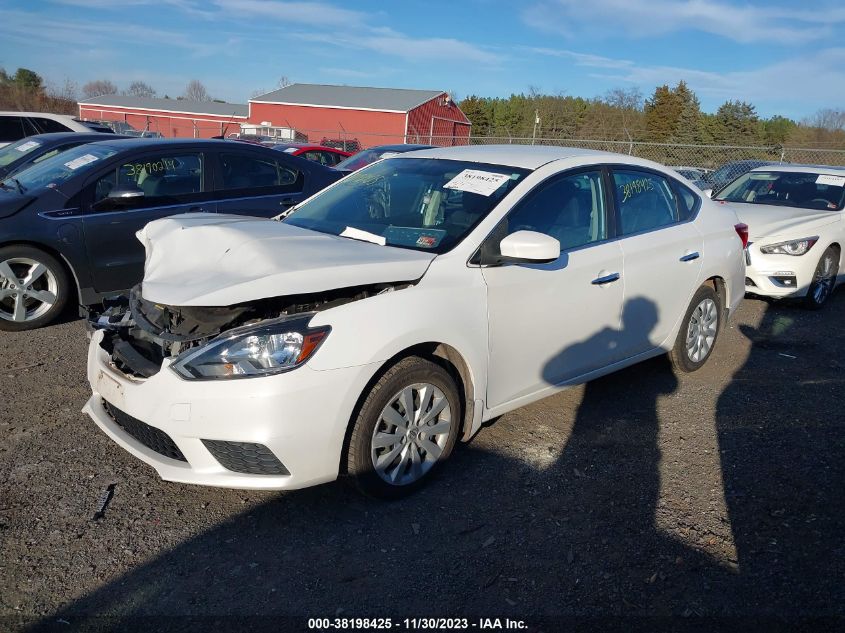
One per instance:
(159,180)
(570,209)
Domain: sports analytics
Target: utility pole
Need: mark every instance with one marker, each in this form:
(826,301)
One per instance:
(536,123)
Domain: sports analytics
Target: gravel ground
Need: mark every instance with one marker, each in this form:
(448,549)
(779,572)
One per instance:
(713,494)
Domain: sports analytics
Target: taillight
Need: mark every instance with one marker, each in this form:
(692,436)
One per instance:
(742,231)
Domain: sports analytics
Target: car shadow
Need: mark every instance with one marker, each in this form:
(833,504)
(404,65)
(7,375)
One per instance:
(531,530)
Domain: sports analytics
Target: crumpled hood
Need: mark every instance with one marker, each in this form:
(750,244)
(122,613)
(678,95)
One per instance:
(768,221)
(209,259)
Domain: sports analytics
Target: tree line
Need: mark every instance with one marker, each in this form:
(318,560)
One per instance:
(670,115)
(26,90)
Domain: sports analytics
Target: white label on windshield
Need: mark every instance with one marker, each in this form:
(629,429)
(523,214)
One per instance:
(836,181)
(83,160)
(389,154)
(290,150)
(475,181)
(27,146)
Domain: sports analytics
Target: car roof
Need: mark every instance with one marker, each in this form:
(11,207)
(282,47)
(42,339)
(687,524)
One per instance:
(73,136)
(130,142)
(804,169)
(399,147)
(47,115)
(304,146)
(524,156)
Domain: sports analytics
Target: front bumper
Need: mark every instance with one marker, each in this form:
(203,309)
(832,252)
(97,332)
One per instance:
(300,417)
(778,275)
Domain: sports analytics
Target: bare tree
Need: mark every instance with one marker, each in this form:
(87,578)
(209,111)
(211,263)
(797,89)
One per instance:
(99,87)
(283,82)
(828,119)
(141,89)
(195,91)
(631,99)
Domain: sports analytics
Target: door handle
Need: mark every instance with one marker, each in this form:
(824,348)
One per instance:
(605,279)
(690,256)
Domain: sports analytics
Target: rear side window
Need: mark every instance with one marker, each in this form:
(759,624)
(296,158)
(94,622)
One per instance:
(11,129)
(644,201)
(688,202)
(245,172)
(48,126)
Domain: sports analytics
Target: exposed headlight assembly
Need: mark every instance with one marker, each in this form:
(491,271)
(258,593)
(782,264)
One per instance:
(793,247)
(270,348)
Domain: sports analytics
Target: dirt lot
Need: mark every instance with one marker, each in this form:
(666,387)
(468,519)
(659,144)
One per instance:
(715,494)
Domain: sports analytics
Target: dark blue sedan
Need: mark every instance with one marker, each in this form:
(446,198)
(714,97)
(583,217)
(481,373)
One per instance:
(68,223)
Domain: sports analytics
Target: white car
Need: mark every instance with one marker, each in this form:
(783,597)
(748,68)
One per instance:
(17,125)
(797,229)
(391,314)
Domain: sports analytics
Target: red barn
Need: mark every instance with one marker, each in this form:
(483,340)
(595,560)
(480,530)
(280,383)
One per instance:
(372,116)
(316,113)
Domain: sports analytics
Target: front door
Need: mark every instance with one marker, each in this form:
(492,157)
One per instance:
(550,323)
(169,183)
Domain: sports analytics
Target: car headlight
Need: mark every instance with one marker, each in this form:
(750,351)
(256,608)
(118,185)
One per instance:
(793,247)
(270,348)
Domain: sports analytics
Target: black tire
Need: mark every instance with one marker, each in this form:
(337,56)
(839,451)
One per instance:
(680,357)
(54,269)
(822,285)
(360,461)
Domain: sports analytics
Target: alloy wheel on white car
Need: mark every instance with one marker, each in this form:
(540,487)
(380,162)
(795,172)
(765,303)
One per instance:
(824,279)
(702,329)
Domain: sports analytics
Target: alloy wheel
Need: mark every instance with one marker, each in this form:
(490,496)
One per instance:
(28,289)
(702,329)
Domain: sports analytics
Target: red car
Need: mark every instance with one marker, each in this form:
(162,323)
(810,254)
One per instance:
(328,156)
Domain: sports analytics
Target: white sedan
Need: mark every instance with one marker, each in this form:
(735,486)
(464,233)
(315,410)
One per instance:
(797,229)
(390,315)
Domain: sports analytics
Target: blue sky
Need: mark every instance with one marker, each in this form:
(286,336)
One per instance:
(785,57)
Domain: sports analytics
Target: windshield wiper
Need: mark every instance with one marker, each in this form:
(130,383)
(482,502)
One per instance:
(18,184)
(364,236)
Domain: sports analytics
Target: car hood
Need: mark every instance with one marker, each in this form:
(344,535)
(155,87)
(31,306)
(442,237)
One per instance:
(766,221)
(220,260)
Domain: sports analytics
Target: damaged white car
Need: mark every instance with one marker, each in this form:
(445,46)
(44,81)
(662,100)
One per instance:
(390,315)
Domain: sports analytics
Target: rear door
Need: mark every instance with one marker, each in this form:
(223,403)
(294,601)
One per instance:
(252,183)
(172,182)
(662,250)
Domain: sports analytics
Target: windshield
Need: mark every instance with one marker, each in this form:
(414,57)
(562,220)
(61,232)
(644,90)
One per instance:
(423,204)
(13,152)
(790,189)
(54,171)
(728,172)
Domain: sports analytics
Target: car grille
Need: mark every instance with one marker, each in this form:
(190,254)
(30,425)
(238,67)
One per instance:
(245,457)
(151,437)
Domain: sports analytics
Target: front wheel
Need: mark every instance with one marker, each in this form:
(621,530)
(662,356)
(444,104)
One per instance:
(824,279)
(699,331)
(406,427)
(34,288)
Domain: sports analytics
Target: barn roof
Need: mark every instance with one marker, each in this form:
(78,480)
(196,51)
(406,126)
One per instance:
(352,97)
(169,105)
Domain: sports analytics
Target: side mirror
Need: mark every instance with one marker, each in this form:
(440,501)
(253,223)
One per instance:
(529,247)
(125,194)
(707,192)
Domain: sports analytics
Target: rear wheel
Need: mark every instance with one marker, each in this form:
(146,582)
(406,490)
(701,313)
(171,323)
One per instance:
(406,427)
(34,288)
(699,331)
(824,279)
